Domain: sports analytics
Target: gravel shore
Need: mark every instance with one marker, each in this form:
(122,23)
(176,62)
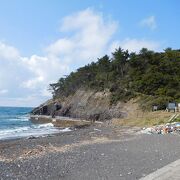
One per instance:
(97,152)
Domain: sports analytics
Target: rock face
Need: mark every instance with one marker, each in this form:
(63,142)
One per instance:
(87,105)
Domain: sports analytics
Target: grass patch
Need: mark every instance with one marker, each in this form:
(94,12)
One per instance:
(146,119)
(176,120)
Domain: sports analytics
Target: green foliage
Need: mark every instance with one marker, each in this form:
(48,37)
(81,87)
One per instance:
(153,75)
(146,102)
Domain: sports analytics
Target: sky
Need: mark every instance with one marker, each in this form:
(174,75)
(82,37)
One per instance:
(41,40)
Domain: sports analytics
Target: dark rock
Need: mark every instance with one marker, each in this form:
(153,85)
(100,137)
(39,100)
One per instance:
(64,111)
(89,105)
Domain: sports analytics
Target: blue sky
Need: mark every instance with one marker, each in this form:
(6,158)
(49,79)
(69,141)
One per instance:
(41,41)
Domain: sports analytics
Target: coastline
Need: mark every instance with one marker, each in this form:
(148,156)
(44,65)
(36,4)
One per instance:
(41,125)
(94,152)
(62,122)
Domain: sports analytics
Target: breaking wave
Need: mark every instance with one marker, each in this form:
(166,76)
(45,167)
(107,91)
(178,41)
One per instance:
(14,123)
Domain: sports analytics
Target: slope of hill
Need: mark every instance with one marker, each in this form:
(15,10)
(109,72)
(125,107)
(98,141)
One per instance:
(99,88)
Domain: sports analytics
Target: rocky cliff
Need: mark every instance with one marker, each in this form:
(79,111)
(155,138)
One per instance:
(88,105)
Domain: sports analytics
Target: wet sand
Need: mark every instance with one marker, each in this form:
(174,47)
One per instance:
(94,152)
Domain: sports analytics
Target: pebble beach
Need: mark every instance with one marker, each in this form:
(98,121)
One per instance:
(94,152)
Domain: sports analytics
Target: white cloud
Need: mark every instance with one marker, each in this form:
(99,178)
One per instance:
(135,45)
(8,52)
(61,46)
(3,91)
(25,101)
(46,93)
(88,35)
(44,70)
(149,22)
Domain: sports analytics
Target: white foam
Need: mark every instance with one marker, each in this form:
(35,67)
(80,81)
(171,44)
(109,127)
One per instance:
(15,118)
(15,130)
(45,125)
(65,130)
(28,131)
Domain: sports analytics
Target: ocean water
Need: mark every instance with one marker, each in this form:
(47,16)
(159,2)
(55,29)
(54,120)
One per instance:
(14,123)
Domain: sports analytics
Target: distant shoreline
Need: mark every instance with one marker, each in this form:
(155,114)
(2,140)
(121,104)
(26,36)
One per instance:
(16,107)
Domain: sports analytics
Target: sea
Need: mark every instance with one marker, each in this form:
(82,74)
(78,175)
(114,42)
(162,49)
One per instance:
(15,123)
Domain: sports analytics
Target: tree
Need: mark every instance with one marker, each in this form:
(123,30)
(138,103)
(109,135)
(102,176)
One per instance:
(120,58)
(148,73)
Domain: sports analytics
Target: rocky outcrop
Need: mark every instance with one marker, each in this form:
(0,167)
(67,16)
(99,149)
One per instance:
(87,105)
(44,109)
